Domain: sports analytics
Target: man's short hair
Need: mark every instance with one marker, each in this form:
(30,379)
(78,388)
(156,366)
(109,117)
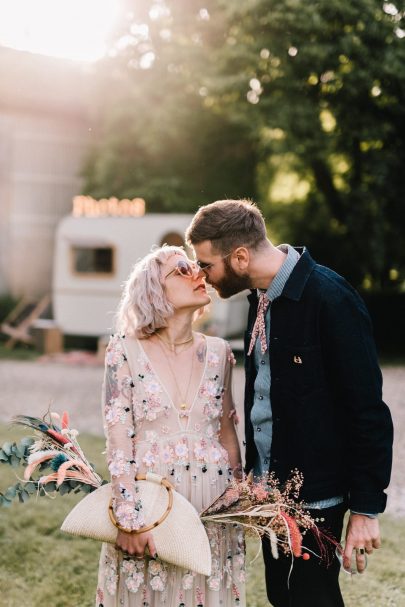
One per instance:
(228,224)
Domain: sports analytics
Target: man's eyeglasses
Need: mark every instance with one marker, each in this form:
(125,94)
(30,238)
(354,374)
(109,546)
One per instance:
(207,266)
(183,268)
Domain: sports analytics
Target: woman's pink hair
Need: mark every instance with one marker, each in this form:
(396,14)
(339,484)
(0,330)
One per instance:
(144,306)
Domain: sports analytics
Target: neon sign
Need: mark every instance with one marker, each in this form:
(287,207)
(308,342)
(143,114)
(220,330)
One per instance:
(86,206)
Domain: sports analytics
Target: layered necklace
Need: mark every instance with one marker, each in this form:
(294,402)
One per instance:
(184,405)
(174,344)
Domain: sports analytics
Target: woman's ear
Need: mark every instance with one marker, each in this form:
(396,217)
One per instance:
(242,257)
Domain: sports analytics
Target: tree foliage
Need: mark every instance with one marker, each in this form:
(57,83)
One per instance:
(325,82)
(159,139)
(298,104)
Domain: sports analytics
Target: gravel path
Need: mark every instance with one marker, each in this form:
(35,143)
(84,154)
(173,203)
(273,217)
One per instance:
(29,387)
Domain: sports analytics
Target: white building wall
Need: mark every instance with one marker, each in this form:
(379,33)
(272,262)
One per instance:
(47,156)
(5,199)
(46,130)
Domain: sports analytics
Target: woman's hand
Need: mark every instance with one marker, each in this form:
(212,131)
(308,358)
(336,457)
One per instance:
(135,544)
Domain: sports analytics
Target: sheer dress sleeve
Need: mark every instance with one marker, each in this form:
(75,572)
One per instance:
(228,436)
(120,434)
(228,401)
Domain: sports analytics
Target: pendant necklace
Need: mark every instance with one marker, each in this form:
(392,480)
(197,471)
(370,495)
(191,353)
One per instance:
(183,399)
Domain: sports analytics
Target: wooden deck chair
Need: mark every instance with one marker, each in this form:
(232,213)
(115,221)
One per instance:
(17,324)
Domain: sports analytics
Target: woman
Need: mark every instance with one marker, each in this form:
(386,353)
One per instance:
(168,409)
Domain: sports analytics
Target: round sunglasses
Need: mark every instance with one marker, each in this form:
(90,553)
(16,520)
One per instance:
(184,269)
(206,266)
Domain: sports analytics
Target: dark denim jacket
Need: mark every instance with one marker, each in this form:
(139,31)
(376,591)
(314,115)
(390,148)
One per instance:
(329,419)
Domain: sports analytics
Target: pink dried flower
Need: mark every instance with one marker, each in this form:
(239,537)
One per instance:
(65,420)
(260,493)
(294,534)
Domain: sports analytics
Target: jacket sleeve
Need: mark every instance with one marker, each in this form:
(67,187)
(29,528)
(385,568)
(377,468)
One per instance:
(355,378)
(119,431)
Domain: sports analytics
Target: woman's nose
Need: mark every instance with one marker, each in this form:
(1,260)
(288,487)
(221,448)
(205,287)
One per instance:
(197,271)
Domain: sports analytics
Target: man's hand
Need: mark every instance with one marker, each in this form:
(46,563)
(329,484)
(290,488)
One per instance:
(362,532)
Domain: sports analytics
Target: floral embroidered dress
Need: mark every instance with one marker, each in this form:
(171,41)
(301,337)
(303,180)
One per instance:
(147,433)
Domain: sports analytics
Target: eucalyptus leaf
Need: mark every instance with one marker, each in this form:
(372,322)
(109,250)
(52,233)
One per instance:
(3,456)
(14,461)
(64,488)
(21,451)
(7,448)
(11,492)
(23,496)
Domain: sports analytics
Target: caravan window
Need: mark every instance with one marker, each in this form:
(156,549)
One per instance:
(93,260)
(173,239)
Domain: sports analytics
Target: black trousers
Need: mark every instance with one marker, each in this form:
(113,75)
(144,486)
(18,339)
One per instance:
(311,583)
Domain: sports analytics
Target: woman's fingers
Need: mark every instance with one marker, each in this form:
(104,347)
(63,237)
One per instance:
(136,545)
(151,545)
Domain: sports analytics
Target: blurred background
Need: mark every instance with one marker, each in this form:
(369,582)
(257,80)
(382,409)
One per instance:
(118,119)
(297,105)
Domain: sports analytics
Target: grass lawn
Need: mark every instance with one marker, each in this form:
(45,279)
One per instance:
(41,567)
(20,352)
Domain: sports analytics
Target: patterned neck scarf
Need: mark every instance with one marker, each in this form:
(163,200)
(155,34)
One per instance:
(259,328)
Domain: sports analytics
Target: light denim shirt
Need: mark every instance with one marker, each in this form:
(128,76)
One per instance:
(261,413)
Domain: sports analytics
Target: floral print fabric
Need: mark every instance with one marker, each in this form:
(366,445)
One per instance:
(146,433)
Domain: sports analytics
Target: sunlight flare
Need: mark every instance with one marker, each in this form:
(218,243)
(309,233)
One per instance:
(73,29)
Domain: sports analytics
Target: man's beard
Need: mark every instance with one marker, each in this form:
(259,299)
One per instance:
(231,283)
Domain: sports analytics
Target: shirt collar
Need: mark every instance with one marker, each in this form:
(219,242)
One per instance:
(279,281)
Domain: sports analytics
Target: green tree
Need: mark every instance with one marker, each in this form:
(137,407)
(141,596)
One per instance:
(160,138)
(322,86)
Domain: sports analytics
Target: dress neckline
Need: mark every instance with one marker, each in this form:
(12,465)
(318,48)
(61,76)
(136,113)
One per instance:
(169,398)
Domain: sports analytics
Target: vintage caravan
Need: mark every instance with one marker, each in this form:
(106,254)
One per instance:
(95,250)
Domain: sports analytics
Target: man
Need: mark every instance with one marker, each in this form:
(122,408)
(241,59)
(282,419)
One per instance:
(313,396)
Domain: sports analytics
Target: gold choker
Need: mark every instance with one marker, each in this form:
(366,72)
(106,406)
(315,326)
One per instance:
(174,344)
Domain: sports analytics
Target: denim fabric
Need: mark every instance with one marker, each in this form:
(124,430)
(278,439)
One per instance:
(261,415)
(328,416)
